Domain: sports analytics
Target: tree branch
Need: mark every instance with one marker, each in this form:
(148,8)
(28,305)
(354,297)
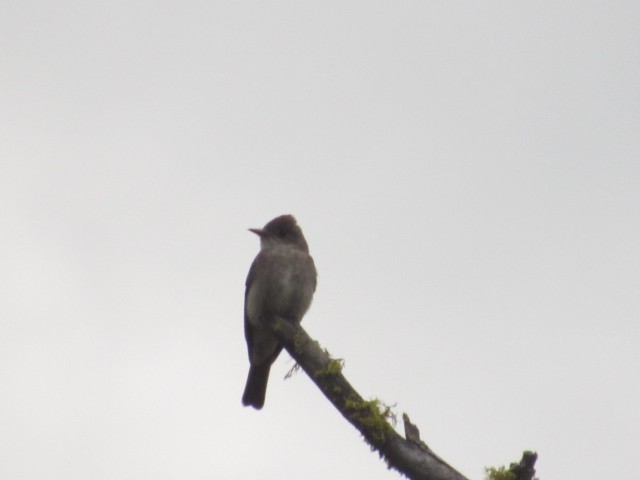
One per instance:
(410,456)
(525,469)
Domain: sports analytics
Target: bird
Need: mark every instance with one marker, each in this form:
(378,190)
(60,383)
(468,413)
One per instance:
(281,283)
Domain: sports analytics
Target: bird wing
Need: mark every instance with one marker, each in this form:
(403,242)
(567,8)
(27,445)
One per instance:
(248,328)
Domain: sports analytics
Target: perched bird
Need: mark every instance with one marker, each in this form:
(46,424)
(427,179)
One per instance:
(281,283)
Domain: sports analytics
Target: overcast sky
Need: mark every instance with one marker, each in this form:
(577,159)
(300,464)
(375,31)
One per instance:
(467,175)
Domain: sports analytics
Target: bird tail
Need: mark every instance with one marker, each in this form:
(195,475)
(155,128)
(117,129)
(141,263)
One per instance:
(256,387)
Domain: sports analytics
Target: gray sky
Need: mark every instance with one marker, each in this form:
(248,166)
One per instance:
(466,174)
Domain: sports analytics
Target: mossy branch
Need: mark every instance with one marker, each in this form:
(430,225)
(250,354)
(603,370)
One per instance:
(524,470)
(371,418)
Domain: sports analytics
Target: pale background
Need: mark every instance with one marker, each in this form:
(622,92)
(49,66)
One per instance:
(467,176)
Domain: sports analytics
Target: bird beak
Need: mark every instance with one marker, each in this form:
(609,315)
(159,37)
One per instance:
(257,231)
